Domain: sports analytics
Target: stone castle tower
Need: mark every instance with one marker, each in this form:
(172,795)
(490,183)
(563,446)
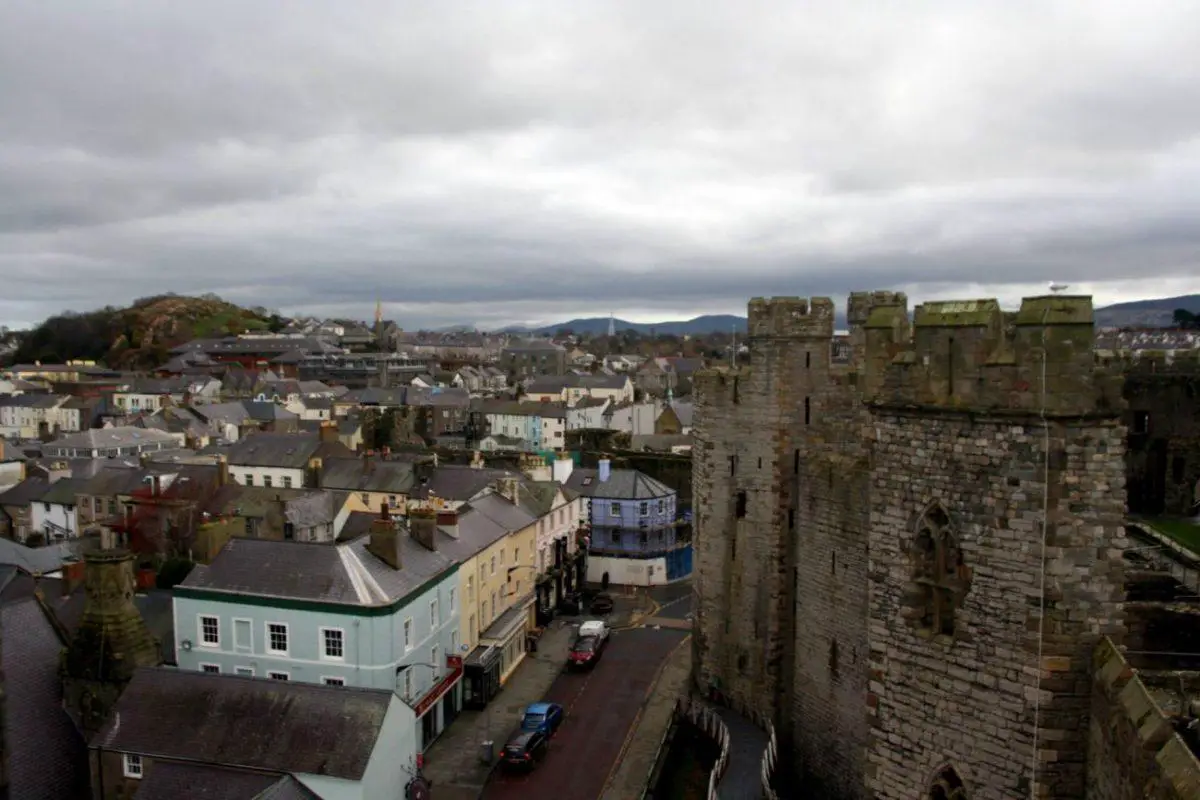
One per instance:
(112,641)
(870,549)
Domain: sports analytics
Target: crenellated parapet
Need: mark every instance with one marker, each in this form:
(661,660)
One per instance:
(790,317)
(972,356)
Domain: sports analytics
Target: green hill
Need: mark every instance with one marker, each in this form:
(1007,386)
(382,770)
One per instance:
(141,336)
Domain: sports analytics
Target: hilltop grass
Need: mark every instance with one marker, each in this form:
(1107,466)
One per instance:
(1184,531)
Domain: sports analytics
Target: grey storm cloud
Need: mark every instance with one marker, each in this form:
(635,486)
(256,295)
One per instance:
(497,162)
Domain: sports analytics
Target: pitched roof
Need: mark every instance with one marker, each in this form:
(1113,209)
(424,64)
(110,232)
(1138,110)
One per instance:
(25,492)
(46,755)
(622,484)
(103,438)
(343,574)
(256,723)
(284,450)
(167,780)
(367,475)
(460,483)
(266,411)
(64,491)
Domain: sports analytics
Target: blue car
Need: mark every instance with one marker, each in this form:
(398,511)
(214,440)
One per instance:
(544,717)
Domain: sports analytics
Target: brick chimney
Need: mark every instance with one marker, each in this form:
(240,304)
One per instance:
(508,487)
(329,431)
(110,644)
(422,526)
(447,521)
(384,543)
(315,468)
(222,471)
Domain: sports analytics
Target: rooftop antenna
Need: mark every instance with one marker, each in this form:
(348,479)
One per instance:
(1058,288)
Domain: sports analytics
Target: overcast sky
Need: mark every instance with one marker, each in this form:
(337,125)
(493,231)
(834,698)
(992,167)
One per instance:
(496,162)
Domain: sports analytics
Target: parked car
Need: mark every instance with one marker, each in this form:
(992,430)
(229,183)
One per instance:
(602,603)
(586,652)
(544,717)
(525,750)
(594,627)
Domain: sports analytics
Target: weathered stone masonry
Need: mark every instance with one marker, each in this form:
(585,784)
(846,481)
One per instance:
(893,534)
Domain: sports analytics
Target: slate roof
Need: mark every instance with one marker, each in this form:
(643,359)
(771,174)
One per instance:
(63,491)
(460,483)
(102,438)
(283,450)
(33,400)
(25,492)
(622,484)
(288,788)
(438,397)
(168,780)
(376,397)
(367,475)
(222,413)
(35,560)
(266,411)
(257,723)
(684,412)
(249,501)
(47,758)
(343,574)
(357,524)
(502,512)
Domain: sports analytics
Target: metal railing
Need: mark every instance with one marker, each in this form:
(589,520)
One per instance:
(770,757)
(706,720)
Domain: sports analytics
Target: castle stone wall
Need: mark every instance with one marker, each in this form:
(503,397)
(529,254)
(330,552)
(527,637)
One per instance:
(975,431)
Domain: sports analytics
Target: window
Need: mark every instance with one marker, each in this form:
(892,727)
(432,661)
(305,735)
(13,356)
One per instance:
(333,644)
(328,681)
(616,538)
(392,500)
(215,669)
(493,565)
(277,638)
(470,588)
(516,555)
(615,509)
(939,573)
(133,766)
(366,499)
(435,653)
(210,631)
(495,607)
(644,508)
(287,481)
(454,640)
(408,684)
(502,556)
(452,600)
(408,637)
(662,506)
(279,676)
(245,672)
(433,614)
(266,480)
(741,504)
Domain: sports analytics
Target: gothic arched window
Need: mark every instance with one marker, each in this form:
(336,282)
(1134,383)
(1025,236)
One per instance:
(947,786)
(940,575)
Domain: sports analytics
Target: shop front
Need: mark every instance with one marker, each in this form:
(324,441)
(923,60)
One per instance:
(481,677)
(437,708)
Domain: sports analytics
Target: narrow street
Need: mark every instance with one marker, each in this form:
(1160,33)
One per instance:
(602,708)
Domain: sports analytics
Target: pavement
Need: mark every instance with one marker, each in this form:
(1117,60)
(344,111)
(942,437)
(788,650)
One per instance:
(604,707)
(453,764)
(747,743)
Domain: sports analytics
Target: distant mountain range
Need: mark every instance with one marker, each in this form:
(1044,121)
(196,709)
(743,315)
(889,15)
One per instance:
(1146,313)
(598,326)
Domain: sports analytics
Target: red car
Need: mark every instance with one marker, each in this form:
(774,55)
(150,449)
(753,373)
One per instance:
(586,652)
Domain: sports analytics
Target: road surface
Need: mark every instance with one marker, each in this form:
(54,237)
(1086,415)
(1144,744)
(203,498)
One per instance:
(602,707)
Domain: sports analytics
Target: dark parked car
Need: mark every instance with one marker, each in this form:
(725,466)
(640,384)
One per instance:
(586,652)
(544,717)
(525,750)
(602,603)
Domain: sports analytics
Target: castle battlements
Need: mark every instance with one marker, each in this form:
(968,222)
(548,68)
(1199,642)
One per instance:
(972,355)
(1151,362)
(792,317)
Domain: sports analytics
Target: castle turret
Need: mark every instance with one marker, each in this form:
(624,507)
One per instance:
(111,642)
